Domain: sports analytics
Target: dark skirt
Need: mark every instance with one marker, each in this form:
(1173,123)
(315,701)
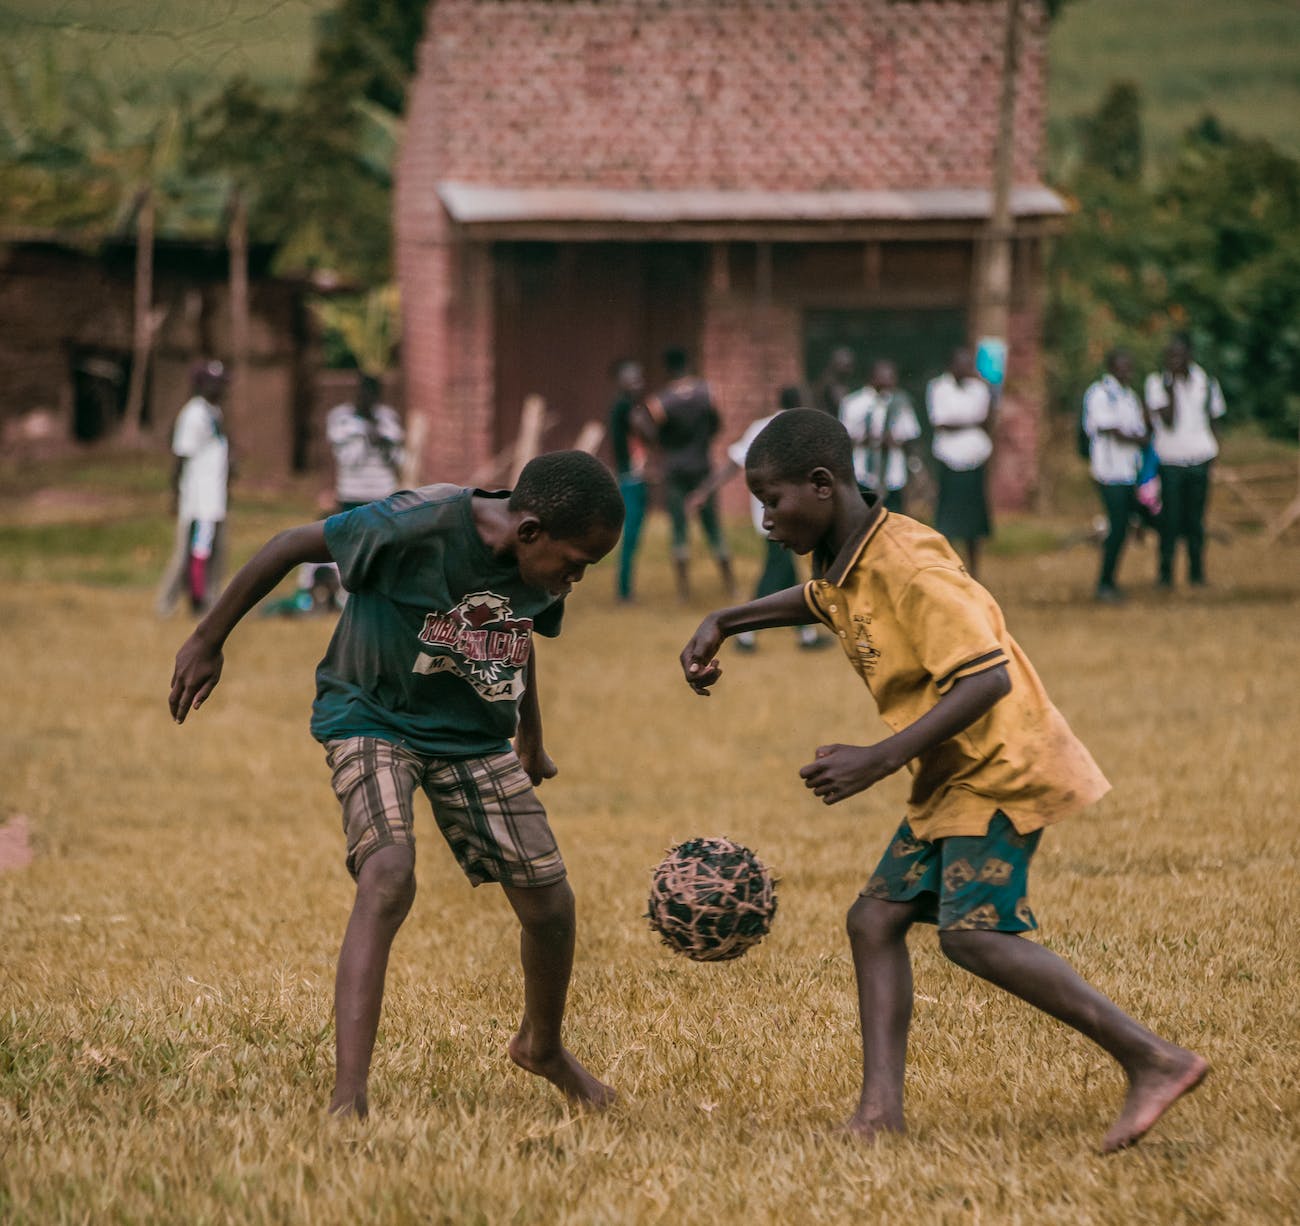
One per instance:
(963,510)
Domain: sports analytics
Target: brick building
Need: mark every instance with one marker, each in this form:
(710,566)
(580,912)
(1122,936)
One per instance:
(757,180)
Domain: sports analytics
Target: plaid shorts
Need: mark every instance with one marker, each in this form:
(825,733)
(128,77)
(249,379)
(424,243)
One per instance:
(486,809)
(961,882)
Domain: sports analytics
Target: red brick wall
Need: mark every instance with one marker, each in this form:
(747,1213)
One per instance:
(795,94)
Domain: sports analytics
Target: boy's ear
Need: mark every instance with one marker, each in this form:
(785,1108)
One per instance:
(529,528)
(823,482)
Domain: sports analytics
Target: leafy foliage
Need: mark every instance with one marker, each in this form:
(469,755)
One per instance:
(361,331)
(320,168)
(1211,248)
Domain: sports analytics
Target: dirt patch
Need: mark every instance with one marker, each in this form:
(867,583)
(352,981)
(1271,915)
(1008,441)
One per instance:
(15,843)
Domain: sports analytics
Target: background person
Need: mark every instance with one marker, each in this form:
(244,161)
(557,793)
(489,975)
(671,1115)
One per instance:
(628,428)
(686,422)
(200,484)
(1186,406)
(1117,429)
(960,405)
(884,428)
(836,380)
(778,562)
(366,438)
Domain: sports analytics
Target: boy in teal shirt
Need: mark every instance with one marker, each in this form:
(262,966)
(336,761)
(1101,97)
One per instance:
(429,675)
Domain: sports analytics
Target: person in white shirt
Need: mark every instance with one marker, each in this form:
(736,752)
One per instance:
(366,438)
(882,424)
(200,478)
(960,405)
(1117,429)
(1186,406)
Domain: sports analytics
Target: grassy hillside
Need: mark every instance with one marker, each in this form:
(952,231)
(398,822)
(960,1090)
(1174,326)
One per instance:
(191,46)
(1239,60)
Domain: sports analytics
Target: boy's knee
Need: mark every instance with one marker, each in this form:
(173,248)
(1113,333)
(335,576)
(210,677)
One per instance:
(386,882)
(965,947)
(873,921)
(546,910)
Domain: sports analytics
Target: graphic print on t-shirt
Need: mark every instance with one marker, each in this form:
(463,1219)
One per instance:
(481,641)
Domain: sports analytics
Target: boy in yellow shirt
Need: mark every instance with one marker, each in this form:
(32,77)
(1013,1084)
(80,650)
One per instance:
(992,763)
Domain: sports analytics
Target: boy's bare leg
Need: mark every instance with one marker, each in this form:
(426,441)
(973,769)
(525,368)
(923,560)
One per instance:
(681,571)
(546,916)
(385,891)
(1159,1072)
(878,937)
(728,576)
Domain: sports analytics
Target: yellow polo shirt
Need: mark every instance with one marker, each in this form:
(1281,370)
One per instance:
(912,622)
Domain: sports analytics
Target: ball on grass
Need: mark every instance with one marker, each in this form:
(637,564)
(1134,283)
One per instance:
(711,899)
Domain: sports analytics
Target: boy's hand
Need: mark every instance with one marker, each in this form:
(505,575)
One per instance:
(841,771)
(699,657)
(197,671)
(536,762)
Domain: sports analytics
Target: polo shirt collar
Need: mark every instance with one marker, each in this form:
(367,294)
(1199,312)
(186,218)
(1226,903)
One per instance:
(838,569)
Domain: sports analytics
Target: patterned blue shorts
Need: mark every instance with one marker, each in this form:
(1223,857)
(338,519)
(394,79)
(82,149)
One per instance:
(978,881)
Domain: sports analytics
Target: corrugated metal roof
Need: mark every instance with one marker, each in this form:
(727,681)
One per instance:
(474,204)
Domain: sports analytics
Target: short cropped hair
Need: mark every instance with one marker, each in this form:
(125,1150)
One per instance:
(570,492)
(676,360)
(795,442)
(789,397)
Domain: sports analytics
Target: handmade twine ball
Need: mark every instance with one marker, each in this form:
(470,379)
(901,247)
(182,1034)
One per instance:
(711,899)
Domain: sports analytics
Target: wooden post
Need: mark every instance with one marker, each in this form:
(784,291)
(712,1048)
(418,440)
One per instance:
(590,437)
(144,326)
(237,242)
(528,442)
(993,294)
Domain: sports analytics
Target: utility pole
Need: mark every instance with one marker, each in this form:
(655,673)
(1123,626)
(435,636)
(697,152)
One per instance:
(237,248)
(993,295)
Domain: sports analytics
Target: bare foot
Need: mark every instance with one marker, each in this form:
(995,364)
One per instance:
(348,1107)
(1151,1092)
(871,1128)
(564,1072)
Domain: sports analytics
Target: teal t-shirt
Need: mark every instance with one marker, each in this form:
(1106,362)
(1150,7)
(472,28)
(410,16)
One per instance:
(431,650)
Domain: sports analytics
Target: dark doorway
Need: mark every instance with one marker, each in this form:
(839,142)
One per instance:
(100,378)
(918,340)
(565,312)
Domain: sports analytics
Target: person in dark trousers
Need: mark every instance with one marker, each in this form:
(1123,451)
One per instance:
(628,426)
(960,405)
(836,380)
(993,763)
(686,421)
(1117,429)
(1186,406)
(778,562)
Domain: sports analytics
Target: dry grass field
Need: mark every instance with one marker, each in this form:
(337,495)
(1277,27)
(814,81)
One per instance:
(165,980)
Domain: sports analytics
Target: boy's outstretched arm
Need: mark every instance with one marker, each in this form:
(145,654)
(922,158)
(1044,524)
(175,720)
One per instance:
(199,661)
(528,738)
(699,662)
(841,771)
